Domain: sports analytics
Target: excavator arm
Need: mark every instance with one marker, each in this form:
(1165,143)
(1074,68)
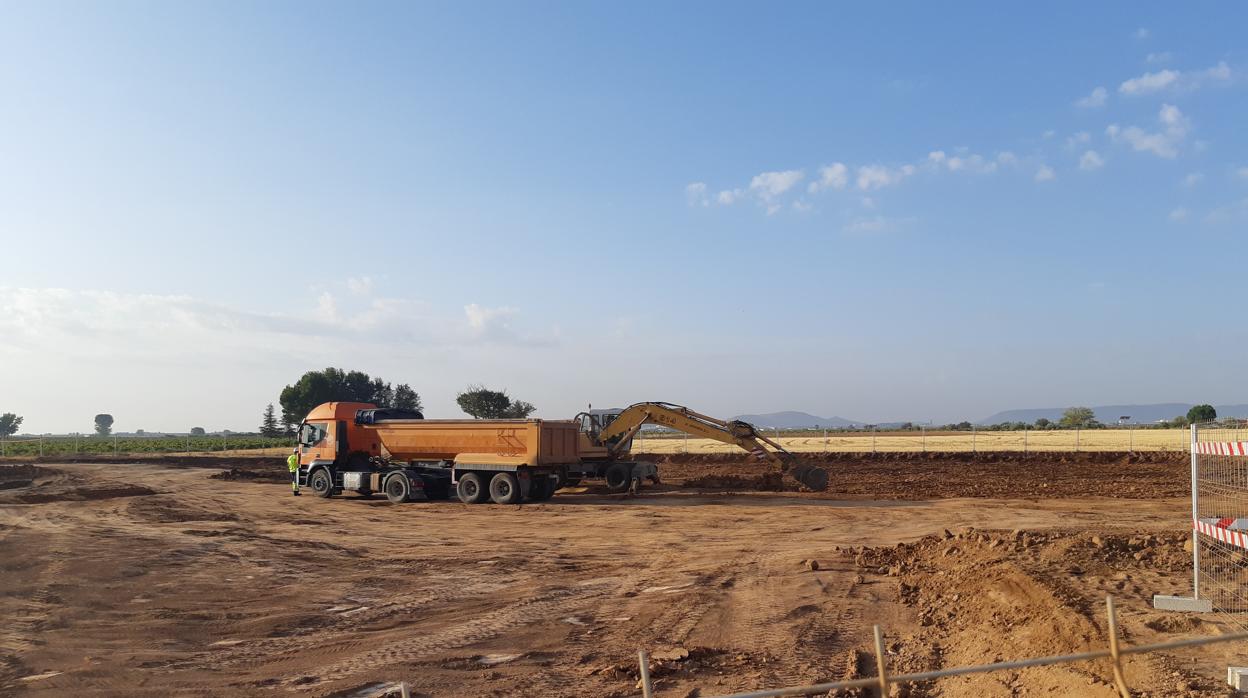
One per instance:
(616,435)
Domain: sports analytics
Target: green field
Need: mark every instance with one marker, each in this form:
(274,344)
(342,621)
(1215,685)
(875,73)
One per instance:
(70,445)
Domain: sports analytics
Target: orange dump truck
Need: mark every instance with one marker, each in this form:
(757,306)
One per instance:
(354,446)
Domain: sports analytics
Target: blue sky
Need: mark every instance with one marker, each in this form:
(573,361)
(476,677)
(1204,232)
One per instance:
(880,212)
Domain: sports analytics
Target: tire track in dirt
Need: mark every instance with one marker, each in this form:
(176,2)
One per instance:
(478,629)
(342,628)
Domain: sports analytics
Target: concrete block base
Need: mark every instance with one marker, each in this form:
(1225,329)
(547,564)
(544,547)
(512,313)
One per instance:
(1162,602)
(1237,677)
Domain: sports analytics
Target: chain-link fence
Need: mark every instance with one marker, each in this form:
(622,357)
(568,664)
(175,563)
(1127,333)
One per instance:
(1220,510)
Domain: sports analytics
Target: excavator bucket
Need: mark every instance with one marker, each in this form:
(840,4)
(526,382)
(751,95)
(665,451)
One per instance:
(810,476)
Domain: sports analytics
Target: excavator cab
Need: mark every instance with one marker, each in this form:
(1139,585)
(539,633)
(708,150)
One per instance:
(592,423)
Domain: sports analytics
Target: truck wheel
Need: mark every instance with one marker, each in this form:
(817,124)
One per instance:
(505,489)
(470,490)
(321,483)
(618,476)
(398,489)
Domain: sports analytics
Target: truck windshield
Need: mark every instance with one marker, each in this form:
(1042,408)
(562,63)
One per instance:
(311,434)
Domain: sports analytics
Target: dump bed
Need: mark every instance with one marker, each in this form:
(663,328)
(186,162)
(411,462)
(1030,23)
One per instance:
(482,441)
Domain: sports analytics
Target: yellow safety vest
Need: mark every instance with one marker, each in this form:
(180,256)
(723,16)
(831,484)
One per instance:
(293,462)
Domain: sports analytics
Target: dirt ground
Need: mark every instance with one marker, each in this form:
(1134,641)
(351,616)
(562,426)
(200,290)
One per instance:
(203,577)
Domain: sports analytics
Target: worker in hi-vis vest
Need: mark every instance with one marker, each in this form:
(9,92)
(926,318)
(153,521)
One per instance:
(292,462)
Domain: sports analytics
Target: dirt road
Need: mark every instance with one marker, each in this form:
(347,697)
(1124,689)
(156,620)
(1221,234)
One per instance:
(151,579)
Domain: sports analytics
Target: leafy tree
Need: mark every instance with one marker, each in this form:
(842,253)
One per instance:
(103,424)
(1043,423)
(1201,413)
(337,385)
(483,403)
(197,431)
(405,398)
(9,424)
(519,409)
(268,423)
(1179,422)
(1078,418)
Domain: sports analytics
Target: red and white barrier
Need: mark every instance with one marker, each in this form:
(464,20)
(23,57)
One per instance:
(1233,531)
(1222,448)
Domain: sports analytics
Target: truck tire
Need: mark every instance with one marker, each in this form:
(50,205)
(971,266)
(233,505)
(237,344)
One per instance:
(505,489)
(619,476)
(321,483)
(470,489)
(398,488)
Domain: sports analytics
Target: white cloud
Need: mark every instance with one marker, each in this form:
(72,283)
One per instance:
(1045,174)
(1160,57)
(361,286)
(695,194)
(1221,71)
(834,176)
(1242,172)
(1094,100)
(1142,33)
(1090,160)
(769,185)
(1233,212)
(879,176)
(1193,178)
(1006,157)
(1164,143)
(728,197)
(1077,139)
(1149,82)
(1178,215)
(876,224)
(1174,80)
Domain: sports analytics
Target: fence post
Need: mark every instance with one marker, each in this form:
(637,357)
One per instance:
(643,662)
(1195,516)
(825,440)
(41,446)
(879,660)
(1024,440)
(115,446)
(1119,680)
(873,439)
(188,442)
(1131,440)
(923,429)
(1076,439)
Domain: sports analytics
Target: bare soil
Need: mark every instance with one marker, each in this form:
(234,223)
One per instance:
(156,578)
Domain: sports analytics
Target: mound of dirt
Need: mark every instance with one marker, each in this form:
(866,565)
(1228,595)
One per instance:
(990,596)
(254,474)
(169,510)
(916,476)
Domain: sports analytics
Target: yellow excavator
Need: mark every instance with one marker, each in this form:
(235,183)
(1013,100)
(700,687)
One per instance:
(606,436)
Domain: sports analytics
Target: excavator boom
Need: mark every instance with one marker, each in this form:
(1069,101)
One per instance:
(621,430)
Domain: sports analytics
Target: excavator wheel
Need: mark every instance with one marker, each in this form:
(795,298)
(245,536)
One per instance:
(470,489)
(618,476)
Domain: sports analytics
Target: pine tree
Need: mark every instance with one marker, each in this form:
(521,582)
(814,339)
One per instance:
(269,427)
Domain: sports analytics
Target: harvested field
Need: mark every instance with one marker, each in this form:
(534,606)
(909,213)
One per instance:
(212,586)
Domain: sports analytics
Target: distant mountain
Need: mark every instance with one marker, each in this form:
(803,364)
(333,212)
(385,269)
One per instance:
(1109,414)
(794,420)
